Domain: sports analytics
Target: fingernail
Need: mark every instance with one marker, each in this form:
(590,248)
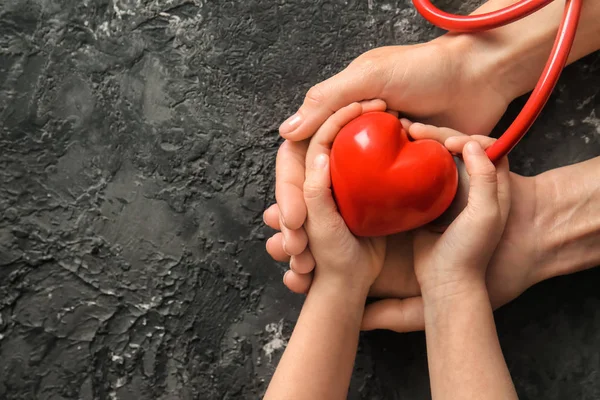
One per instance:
(416,125)
(320,161)
(290,124)
(405,123)
(264,218)
(473,148)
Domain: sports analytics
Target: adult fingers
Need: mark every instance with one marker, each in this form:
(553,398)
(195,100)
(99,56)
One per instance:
(303,263)
(271,217)
(288,192)
(289,179)
(274,247)
(361,80)
(399,315)
(297,283)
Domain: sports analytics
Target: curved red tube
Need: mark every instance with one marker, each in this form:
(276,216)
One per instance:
(478,22)
(556,62)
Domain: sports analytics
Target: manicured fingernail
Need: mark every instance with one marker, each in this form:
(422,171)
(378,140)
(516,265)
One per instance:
(473,148)
(290,124)
(320,161)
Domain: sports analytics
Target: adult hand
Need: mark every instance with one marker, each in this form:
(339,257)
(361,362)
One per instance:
(434,82)
(516,263)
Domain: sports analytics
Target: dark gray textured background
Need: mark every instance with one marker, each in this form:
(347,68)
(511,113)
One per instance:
(137,149)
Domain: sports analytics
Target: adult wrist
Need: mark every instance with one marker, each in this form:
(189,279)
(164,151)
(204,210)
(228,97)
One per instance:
(567,221)
(513,56)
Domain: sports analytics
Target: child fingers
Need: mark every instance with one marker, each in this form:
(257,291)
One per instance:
(373,105)
(504,191)
(317,191)
(419,131)
(456,143)
(483,188)
(393,112)
(322,141)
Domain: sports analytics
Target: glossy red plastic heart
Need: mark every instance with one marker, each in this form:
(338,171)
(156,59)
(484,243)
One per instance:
(385,183)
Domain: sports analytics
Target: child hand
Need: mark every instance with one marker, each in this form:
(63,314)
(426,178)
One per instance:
(456,261)
(340,256)
(325,337)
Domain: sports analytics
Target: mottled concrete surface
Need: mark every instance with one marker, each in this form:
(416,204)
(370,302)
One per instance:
(137,149)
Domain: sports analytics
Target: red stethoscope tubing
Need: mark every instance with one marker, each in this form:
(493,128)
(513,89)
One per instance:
(556,62)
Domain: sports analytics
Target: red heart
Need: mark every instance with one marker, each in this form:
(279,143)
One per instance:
(384,182)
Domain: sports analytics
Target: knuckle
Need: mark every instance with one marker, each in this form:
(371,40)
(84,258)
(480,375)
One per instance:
(491,214)
(483,213)
(368,66)
(316,94)
(488,175)
(312,191)
(283,148)
(484,141)
(369,62)
(336,225)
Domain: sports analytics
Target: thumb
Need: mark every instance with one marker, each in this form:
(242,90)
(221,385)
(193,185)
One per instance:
(483,187)
(317,192)
(353,84)
(406,315)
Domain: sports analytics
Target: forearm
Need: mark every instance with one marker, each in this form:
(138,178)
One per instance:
(319,358)
(568,218)
(514,55)
(463,351)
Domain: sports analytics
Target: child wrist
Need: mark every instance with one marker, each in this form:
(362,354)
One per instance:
(342,284)
(457,291)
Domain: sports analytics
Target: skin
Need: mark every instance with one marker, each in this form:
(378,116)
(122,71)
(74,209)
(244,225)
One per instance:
(318,361)
(549,231)
(463,351)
